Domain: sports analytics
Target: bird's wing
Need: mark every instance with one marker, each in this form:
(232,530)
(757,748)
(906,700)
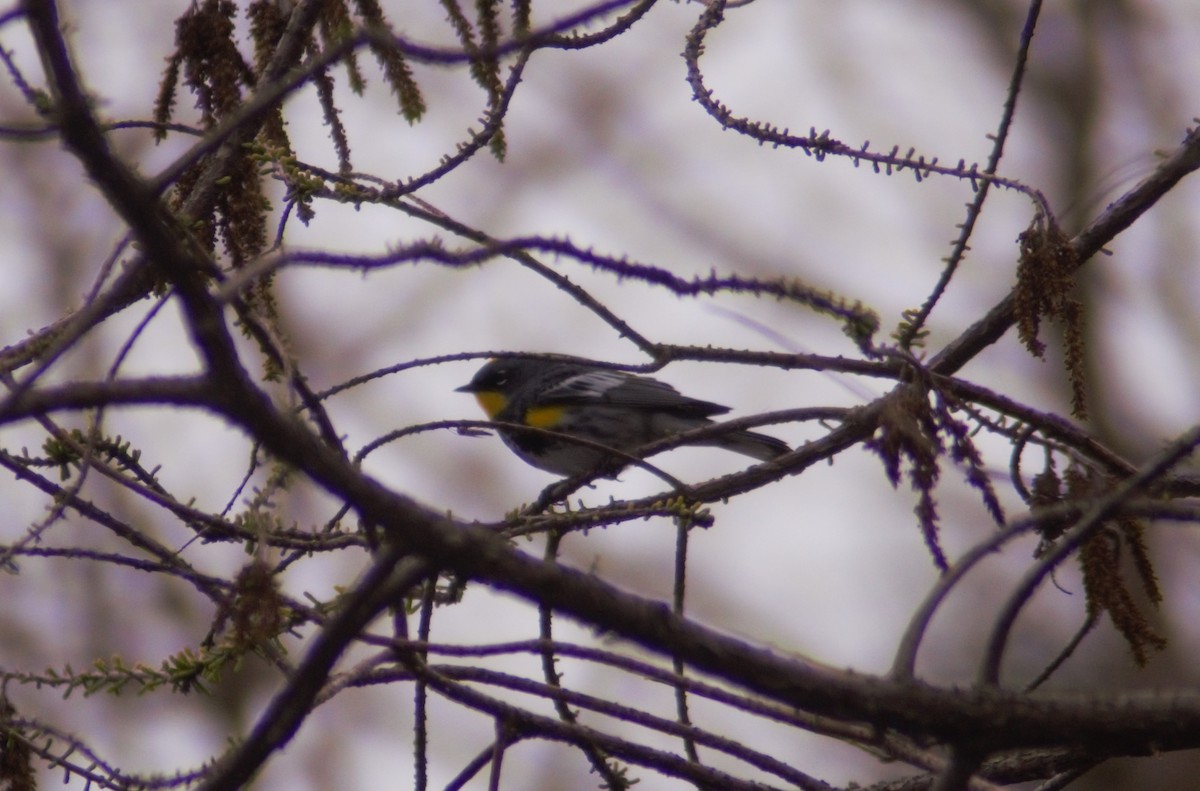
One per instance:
(622,389)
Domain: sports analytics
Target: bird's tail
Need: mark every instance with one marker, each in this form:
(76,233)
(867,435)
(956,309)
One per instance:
(751,443)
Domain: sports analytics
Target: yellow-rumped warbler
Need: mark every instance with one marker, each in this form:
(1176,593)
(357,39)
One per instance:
(616,409)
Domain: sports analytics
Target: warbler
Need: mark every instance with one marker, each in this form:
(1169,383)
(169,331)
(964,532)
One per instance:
(615,409)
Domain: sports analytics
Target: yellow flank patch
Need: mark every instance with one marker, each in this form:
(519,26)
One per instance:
(543,416)
(491,401)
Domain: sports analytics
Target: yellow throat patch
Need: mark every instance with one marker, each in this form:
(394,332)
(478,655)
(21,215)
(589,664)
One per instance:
(491,401)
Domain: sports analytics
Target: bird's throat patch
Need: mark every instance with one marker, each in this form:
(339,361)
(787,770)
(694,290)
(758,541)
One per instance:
(491,401)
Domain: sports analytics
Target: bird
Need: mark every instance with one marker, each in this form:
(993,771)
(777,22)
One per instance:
(614,409)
